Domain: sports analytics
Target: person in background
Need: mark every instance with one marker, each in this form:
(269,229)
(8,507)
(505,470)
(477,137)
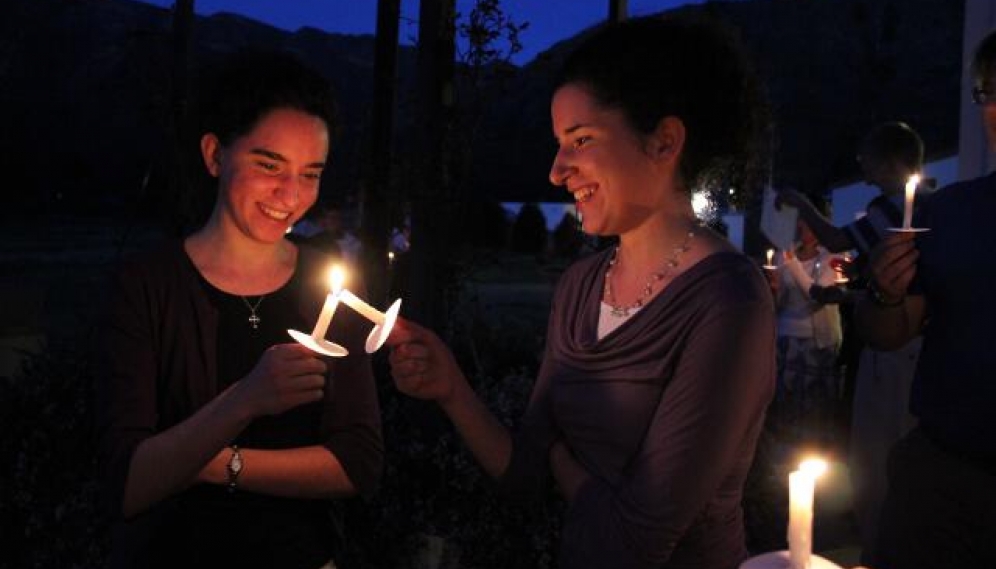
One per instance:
(221,441)
(809,337)
(659,359)
(889,154)
(940,510)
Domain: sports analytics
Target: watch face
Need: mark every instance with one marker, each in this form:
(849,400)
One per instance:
(235,465)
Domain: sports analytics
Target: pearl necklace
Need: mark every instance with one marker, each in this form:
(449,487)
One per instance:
(648,289)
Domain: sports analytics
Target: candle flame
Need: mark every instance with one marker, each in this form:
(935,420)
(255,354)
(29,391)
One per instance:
(815,467)
(336,277)
(771,255)
(913,181)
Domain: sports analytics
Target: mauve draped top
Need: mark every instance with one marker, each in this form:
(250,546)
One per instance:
(663,413)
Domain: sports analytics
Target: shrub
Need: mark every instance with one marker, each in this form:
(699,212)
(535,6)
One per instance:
(48,475)
(529,234)
(567,238)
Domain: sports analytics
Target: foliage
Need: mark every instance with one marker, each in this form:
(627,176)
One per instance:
(48,478)
(492,36)
(567,238)
(433,487)
(487,226)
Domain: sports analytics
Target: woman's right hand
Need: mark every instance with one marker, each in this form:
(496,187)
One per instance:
(287,375)
(421,364)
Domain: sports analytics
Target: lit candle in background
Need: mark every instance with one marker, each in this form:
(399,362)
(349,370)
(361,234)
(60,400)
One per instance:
(802,485)
(911,185)
(336,278)
(771,257)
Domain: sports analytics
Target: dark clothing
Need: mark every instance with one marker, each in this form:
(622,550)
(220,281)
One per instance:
(940,511)
(881,213)
(171,344)
(954,392)
(663,413)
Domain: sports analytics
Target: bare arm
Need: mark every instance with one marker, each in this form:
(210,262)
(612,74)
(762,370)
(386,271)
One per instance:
(423,367)
(305,472)
(167,462)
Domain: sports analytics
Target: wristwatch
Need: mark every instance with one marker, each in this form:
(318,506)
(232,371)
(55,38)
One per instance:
(880,299)
(234,468)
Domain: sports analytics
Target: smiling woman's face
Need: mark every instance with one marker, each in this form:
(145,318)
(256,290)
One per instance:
(603,162)
(268,178)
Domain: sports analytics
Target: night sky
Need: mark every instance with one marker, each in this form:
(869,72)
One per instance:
(549,20)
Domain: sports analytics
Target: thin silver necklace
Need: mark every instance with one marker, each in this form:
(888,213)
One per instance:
(253,317)
(648,289)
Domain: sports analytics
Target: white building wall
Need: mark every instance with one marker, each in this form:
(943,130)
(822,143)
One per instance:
(975,159)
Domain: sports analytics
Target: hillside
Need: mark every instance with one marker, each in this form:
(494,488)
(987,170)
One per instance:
(832,70)
(85,93)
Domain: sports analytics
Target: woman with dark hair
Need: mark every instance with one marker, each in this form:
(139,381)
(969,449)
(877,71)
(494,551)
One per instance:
(659,361)
(221,440)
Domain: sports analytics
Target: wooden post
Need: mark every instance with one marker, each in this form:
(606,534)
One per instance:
(430,202)
(376,204)
(618,10)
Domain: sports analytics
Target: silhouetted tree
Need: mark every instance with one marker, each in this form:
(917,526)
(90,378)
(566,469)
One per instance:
(375,225)
(567,238)
(529,234)
(488,225)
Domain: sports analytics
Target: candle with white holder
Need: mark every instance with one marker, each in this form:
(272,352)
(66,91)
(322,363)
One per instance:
(909,197)
(802,484)
(840,269)
(770,265)
(383,321)
(338,294)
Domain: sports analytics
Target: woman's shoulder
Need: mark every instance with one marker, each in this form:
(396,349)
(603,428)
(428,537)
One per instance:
(727,277)
(582,271)
(587,263)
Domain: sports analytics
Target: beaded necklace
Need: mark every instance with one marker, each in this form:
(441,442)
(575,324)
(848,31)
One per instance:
(648,289)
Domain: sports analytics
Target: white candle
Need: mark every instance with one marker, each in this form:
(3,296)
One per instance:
(911,185)
(336,277)
(802,485)
(771,256)
(357,304)
(800,526)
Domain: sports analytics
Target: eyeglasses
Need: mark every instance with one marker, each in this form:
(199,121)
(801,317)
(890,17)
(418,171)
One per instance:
(982,96)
